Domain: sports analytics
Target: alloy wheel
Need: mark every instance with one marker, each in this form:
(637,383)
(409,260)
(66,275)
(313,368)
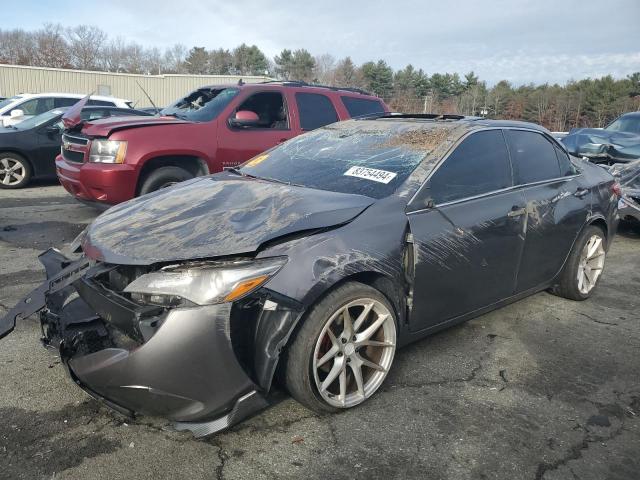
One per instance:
(354,352)
(590,264)
(12,172)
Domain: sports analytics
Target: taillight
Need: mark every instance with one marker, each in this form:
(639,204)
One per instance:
(615,188)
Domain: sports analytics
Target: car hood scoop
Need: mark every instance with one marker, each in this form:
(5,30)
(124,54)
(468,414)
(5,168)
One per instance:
(213,216)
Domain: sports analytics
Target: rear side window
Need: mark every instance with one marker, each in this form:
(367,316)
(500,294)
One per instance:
(100,103)
(566,167)
(358,107)
(533,157)
(315,110)
(480,164)
(65,102)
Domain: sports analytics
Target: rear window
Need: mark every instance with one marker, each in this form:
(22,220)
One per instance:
(315,110)
(533,156)
(358,107)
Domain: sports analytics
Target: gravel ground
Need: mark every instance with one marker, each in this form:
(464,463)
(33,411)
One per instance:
(543,389)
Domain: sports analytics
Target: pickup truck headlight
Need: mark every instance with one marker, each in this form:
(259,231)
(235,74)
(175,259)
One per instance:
(107,151)
(204,283)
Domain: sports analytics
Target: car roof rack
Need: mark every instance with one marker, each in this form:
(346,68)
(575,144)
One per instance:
(300,83)
(419,116)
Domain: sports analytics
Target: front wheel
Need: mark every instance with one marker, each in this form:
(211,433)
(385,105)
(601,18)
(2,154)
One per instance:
(584,265)
(344,349)
(15,171)
(164,177)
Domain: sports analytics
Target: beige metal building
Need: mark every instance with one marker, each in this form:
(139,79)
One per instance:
(163,89)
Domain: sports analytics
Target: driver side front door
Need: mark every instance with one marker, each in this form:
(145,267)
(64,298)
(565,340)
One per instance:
(468,244)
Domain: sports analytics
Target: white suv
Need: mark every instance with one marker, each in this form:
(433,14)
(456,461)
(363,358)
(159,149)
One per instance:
(15,109)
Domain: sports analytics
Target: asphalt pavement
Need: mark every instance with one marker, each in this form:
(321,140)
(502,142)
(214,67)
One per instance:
(545,388)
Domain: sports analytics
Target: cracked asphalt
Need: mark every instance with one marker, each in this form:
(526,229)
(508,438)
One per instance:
(543,389)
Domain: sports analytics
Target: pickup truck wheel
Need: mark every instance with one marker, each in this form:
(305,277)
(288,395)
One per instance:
(164,177)
(15,171)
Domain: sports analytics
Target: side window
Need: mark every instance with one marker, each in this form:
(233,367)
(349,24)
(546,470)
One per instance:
(94,114)
(65,102)
(270,108)
(533,157)
(315,110)
(361,106)
(29,107)
(480,164)
(100,103)
(566,167)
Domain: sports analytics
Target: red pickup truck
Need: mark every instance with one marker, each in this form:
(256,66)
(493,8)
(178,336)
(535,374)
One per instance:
(109,161)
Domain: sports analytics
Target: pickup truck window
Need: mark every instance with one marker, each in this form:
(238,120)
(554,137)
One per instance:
(315,110)
(270,108)
(361,106)
(202,105)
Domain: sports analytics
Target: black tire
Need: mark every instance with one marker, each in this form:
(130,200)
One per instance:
(163,177)
(568,282)
(15,159)
(297,374)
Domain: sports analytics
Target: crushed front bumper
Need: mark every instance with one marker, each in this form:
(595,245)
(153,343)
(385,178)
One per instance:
(176,363)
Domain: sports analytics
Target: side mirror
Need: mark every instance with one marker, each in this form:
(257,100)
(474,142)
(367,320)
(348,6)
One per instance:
(16,112)
(244,119)
(52,130)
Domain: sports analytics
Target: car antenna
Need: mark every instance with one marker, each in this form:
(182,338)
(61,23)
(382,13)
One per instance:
(148,96)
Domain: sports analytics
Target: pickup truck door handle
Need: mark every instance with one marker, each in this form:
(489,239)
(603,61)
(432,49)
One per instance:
(581,192)
(516,212)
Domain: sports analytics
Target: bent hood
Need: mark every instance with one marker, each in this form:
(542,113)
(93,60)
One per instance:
(104,127)
(213,216)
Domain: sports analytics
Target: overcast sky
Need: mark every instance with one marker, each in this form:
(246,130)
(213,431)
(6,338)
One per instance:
(520,41)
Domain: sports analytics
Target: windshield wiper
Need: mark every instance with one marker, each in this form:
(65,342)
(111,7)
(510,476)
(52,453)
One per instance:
(237,171)
(173,114)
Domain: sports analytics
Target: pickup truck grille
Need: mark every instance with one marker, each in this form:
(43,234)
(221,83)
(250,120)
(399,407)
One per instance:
(73,148)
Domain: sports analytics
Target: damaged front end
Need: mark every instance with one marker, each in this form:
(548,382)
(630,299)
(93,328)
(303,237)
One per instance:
(628,176)
(176,341)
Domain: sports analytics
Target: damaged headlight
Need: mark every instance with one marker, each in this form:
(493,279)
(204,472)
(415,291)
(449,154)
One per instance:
(204,283)
(107,151)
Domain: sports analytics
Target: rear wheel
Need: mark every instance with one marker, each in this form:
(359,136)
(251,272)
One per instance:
(343,351)
(584,265)
(15,171)
(164,177)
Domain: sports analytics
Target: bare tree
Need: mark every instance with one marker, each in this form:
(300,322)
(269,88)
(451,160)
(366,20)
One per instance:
(17,47)
(50,47)
(174,59)
(85,45)
(324,71)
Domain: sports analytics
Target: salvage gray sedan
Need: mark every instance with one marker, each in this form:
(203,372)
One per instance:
(317,260)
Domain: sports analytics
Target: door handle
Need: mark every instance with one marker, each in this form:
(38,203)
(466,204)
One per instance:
(581,192)
(516,212)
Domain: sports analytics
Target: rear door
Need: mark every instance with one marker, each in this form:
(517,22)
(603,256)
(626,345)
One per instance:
(238,144)
(315,110)
(469,242)
(557,204)
(49,139)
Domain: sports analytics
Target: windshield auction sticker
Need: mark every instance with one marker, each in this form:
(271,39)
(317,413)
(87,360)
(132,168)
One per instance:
(373,174)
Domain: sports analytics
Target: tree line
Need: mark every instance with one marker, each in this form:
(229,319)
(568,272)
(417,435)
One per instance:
(586,102)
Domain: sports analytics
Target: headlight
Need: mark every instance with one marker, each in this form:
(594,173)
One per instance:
(107,151)
(204,283)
